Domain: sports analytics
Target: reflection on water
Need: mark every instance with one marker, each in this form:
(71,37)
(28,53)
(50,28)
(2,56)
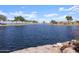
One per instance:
(76,34)
(13,38)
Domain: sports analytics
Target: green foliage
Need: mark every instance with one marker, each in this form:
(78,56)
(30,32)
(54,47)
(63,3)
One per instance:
(35,21)
(69,18)
(77,22)
(53,22)
(3,18)
(19,18)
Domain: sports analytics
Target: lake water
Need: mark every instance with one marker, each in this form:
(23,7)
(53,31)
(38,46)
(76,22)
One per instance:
(18,37)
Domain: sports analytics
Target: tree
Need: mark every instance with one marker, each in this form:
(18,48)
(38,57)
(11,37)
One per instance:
(3,18)
(34,21)
(19,18)
(77,22)
(69,19)
(53,21)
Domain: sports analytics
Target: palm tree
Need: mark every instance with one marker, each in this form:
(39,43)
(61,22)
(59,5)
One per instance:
(69,19)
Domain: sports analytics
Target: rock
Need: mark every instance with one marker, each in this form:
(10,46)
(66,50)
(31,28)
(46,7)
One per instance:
(66,43)
(44,49)
(58,45)
(55,45)
(39,49)
(73,40)
(27,50)
(76,44)
(47,46)
(56,50)
(69,50)
(63,47)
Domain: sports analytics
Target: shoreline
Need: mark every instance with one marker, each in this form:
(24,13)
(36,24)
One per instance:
(65,24)
(17,24)
(65,47)
(39,23)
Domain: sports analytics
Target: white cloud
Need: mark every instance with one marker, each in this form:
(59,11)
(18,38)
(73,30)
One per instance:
(61,9)
(71,13)
(56,17)
(11,15)
(61,18)
(3,13)
(31,15)
(43,19)
(35,16)
(73,8)
(50,15)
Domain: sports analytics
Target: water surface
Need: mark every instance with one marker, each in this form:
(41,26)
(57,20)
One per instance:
(18,37)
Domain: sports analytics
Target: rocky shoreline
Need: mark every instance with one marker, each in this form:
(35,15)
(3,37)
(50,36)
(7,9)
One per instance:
(65,47)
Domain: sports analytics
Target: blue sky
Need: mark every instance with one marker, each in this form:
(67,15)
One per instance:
(40,12)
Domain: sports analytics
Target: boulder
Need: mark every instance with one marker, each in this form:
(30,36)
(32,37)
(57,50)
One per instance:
(76,44)
(69,50)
